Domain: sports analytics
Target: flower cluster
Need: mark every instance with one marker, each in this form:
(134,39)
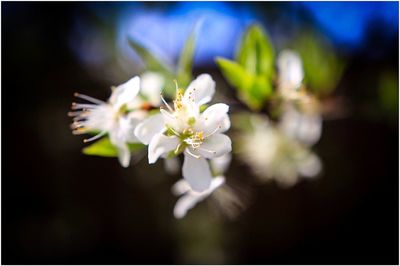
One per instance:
(181,128)
(275,138)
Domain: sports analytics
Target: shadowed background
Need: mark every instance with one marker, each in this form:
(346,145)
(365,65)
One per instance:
(62,207)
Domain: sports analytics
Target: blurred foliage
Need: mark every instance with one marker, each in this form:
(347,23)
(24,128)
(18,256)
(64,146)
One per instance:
(185,63)
(388,93)
(151,62)
(105,148)
(322,65)
(182,72)
(252,71)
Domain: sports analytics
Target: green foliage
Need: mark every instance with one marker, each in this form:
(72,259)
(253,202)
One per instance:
(252,72)
(102,147)
(151,62)
(256,53)
(105,148)
(389,92)
(322,66)
(185,63)
(235,74)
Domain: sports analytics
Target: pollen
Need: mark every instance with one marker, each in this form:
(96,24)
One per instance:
(198,136)
(178,100)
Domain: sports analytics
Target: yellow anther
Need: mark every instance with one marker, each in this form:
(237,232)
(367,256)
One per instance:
(198,136)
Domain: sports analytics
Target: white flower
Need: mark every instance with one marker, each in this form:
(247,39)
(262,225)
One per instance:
(117,117)
(273,155)
(290,70)
(184,129)
(189,198)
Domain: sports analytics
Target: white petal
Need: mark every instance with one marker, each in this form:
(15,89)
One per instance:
(311,166)
(215,146)
(201,89)
(170,121)
(180,187)
(127,125)
(189,200)
(151,85)
(301,126)
(214,119)
(310,129)
(197,172)
(216,183)
(149,127)
(220,164)
(125,93)
(290,69)
(124,155)
(160,145)
(185,203)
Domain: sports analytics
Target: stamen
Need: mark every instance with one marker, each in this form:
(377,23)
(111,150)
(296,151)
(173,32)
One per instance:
(88,98)
(95,137)
(174,131)
(76,125)
(215,130)
(79,131)
(192,96)
(176,84)
(166,104)
(76,106)
(210,151)
(72,114)
(82,116)
(177,149)
(194,155)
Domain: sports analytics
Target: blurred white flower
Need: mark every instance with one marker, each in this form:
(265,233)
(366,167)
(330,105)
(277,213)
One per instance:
(305,127)
(119,116)
(184,129)
(273,155)
(189,198)
(290,70)
(150,87)
(301,119)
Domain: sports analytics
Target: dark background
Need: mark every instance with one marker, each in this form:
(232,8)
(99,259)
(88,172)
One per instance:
(62,207)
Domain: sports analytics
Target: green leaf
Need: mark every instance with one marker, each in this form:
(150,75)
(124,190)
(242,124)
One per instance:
(258,92)
(102,147)
(256,52)
(184,68)
(136,146)
(235,74)
(252,90)
(151,62)
(322,66)
(105,148)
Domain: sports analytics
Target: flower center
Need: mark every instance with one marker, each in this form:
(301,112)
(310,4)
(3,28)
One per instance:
(194,139)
